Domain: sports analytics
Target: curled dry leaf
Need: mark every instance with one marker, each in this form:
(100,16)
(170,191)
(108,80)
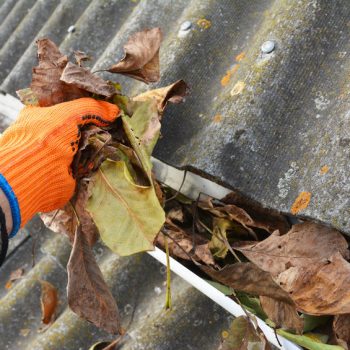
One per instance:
(143,130)
(303,245)
(319,288)
(284,315)
(243,335)
(263,218)
(46,83)
(181,244)
(174,93)
(247,277)
(65,220)
(231,212)
(61,221)
(49,301)
(80,57)
(82,78)
(88,295)
(141,60)
(341,329)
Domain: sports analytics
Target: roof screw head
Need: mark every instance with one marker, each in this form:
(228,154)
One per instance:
(268,46)
(186,26)
(71,29)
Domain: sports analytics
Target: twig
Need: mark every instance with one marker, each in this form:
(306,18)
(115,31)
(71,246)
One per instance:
(180,188)
(168,276)
(33,250)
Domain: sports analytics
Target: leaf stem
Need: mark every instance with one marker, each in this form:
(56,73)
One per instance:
(168,276)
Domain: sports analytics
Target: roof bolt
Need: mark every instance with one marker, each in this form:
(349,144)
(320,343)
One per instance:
(268,46)
(71,29)
(186,26)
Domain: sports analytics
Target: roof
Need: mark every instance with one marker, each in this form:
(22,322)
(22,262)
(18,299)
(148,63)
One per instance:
(270,124)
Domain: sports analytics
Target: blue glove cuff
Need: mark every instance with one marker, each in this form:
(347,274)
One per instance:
(11,197)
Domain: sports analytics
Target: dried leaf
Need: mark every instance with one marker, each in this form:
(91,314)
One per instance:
(303,245)
(186,246)
(141,60)
(61,221)
(82,78)
(80,57)
(282,314)
(46,83)
(88,295)
(176,214)
(174,93)
(341,329)
(127,215)
(65,220)
(263,218)
(49,301)
(231,212)
(142,130)
(217,244)
(27,97)
(308,341)
(319,288)
(247,277)
(242,336)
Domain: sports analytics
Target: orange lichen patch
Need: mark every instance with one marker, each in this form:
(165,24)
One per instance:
(324,169)
(226,78)
(217,118)
(204,23)
(224,334)
(238,88)
(240,56)
(301,203)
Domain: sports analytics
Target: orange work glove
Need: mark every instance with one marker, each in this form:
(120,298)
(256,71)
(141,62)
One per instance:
(36,153)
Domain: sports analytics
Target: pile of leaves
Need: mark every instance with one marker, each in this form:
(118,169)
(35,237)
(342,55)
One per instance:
(296,278)
(117,197)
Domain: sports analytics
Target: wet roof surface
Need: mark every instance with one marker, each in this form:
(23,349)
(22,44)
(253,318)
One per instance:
(270,124)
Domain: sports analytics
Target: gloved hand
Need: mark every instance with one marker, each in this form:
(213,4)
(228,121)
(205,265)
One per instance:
(36,153)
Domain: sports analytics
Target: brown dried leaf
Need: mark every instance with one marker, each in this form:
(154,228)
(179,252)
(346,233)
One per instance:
(49,301)
(247,277)
(82,78)
(263,218)
(341,329)
(141,60)
(65,220)
(174,93)
(46,84)
(183,248)
(231,212)
(61,221)
(284,315)
(303,245)
(88,295)
(80,57)
(319,288)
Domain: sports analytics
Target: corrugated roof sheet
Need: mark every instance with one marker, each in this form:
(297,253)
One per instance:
(262,123)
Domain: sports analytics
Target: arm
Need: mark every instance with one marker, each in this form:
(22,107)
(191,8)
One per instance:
(36,154)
